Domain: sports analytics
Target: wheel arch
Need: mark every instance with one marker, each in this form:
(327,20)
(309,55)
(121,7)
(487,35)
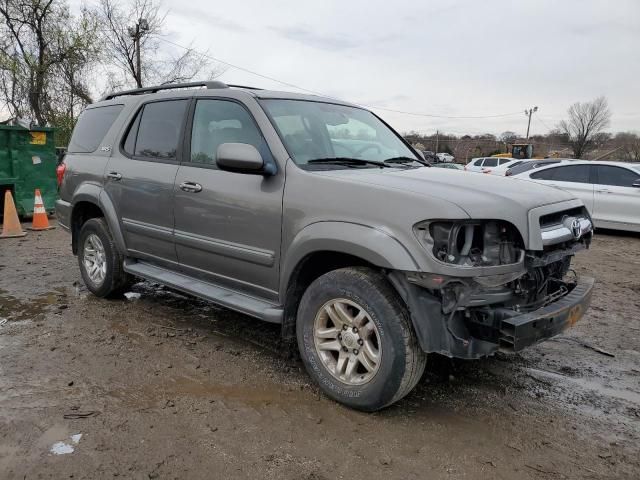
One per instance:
(90,202)
(325,246)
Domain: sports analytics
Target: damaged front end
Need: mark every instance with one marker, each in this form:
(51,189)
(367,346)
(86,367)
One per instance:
(493,294)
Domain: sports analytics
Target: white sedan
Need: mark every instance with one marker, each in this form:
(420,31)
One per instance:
(610,190)
(491,165)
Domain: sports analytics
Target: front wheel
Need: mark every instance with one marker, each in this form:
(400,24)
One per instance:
(356,339)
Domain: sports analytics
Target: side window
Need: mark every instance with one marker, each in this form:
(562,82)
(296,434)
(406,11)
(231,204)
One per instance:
(92,126)
(490,162)
(615,176)
(129,145)
(221,121)
(157,130)
(504,160)
(544,174)
(571,173)
(478,163)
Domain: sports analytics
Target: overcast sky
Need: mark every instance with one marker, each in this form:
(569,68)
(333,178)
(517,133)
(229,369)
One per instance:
(445,57)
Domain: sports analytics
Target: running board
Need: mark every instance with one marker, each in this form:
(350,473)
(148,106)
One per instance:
(224,297)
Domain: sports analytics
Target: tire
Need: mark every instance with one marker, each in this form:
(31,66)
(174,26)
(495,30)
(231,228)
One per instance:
(114,279)
(400,360)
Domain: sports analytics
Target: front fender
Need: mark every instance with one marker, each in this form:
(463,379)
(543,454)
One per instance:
(368,243)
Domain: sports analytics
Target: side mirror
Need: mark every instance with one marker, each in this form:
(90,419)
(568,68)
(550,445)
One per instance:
(636,183)
(239,157)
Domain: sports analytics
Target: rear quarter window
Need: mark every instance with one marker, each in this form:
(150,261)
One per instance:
(93,124)
(570,173)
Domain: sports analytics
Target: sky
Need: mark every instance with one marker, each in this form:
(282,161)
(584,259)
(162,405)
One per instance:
(431,59)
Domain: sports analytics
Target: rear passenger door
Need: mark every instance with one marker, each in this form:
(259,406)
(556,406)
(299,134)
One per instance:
(573,178)
(140,175)
(617,202)
(227,224)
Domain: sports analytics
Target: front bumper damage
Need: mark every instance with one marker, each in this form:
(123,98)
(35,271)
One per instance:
(501,328)
(518,331)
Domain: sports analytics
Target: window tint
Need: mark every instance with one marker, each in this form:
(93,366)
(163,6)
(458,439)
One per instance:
(615,176)
(219,121)
(502,161)
(92,126)
(571,173)
(159,129)
(478,162)
(129,145)
(490,162)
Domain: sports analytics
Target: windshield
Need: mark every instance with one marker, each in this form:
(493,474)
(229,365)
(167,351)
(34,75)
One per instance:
(315,131)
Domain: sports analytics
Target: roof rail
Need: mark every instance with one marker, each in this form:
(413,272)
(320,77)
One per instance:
(244,86)
(169,86)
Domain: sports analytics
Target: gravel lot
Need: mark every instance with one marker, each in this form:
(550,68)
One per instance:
(167,386)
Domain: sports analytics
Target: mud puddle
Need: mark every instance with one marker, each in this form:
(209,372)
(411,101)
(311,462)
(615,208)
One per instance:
(15,309)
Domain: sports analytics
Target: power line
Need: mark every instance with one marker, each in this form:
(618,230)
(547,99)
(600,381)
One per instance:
(545,125)
(314,92)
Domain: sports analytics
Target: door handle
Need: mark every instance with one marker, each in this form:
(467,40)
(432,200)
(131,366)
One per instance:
(114,175)
(604,191)
(191,187)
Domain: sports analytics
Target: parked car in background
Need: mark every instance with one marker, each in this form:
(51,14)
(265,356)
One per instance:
(492,165)
(530,165)
(429,156)
(451,166)
(609,190)
(445,157)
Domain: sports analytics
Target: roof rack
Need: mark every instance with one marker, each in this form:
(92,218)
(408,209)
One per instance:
(169,86)
(244,86)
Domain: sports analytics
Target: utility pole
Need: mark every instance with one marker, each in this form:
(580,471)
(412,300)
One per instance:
(137,32)
(530,112)
(437,140)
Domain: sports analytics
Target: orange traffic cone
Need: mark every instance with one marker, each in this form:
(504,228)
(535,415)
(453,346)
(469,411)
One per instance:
(40,220)
(10,224)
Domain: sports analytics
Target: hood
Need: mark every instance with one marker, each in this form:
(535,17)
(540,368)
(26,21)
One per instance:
(472,192)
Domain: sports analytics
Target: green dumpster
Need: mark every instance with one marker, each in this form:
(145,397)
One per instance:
(27,162)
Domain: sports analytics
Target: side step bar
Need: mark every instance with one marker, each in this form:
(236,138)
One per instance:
(224,297)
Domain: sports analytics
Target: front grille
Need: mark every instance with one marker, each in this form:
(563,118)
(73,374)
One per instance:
(565,227)
(556,218)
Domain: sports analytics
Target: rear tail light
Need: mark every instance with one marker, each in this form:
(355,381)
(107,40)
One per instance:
(60,169)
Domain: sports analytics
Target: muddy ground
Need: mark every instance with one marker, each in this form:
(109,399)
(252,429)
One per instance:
(166,386)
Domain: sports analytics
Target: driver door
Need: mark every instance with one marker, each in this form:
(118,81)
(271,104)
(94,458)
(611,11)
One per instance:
(227,224)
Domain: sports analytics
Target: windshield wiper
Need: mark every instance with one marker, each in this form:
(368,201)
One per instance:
(348,161)
(406,160)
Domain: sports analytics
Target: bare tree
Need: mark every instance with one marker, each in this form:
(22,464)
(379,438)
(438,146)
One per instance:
(586,121)
(629,144)
(508,137)
(145,20)
(42,43)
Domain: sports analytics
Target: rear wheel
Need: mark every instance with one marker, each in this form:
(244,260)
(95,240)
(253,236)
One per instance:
(101,265)
(356,340)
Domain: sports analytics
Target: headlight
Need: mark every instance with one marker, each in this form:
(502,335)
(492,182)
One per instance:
(472,243)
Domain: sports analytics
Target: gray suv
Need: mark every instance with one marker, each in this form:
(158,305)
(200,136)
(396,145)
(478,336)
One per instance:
(314,214)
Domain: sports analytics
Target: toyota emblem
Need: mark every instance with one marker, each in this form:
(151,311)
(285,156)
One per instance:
(576,230)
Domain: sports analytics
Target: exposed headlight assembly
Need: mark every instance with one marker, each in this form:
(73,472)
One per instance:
(472,243)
